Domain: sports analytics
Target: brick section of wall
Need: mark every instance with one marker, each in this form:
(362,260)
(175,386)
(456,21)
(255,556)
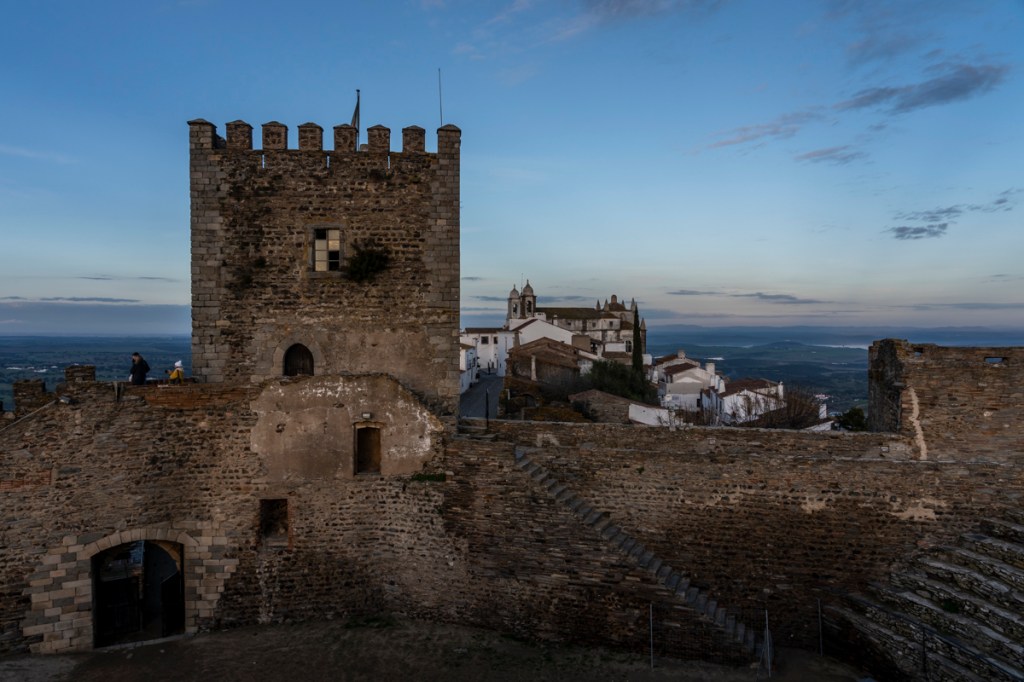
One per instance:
(953,403)
(254,292)
(30,395)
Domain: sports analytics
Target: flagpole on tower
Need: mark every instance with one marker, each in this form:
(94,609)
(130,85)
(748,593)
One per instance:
(440,102)
(355,119)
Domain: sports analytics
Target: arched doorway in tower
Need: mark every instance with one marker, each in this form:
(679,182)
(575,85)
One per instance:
(298,360)
(138,593)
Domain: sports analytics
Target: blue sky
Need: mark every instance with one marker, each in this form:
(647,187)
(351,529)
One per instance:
(836,162)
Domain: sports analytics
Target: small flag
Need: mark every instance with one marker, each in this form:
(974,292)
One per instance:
(355,117)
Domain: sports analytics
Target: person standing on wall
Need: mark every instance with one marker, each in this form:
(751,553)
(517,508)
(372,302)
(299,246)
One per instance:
(137,374)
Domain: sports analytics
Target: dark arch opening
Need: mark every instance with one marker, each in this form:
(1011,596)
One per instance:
(138,592)
(298,361)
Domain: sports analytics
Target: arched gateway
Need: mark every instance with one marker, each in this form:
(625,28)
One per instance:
(138,592)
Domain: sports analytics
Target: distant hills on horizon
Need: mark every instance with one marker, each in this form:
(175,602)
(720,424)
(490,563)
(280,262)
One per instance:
(739,335)
(838,366)
(858,337)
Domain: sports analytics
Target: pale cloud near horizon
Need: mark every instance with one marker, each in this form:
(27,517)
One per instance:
(36,155)
(786,299)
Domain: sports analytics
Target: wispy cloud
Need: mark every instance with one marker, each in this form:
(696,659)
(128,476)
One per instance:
(692,292)
(966,306)
(70,299)
(121,278)
(490,299)
(626,10)
(912,232)
(839,156)
(1003,278)
(472,279)
(954,82)
(787,299)
(87,299)
(782,127)
(548,300)
(938,220)
(35,154)
(778,298)
(949,83)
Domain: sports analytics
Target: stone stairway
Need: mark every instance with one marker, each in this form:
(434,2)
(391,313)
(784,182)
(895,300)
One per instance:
(704,605)
(955,613)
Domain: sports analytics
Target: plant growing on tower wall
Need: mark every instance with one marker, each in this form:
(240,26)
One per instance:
(368,260)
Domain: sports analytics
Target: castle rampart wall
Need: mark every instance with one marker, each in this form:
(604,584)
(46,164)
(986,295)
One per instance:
(760,518)
(197,461)
(766,525)
(952,403)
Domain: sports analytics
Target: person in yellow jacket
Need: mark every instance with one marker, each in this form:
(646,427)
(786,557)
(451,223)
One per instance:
(177,375)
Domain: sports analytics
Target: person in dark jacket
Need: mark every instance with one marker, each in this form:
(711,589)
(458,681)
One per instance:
(140,367)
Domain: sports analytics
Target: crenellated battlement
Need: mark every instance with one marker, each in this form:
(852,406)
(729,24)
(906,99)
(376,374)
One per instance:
(274,137)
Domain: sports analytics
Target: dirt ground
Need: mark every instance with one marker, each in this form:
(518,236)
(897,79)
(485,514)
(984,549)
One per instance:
(388,650)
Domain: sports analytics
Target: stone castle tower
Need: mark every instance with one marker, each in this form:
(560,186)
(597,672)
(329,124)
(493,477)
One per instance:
(275,235)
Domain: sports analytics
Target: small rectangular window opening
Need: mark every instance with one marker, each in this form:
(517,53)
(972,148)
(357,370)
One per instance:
(326,249)
(368,450)
(995,360)
(274,523)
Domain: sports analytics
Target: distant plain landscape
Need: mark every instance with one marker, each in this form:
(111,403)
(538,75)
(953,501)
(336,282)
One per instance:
(825,360)
(45,357)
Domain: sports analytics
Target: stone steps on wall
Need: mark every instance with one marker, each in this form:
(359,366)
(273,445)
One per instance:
(997,548)
(904,646)
(698,600)
(952,599)
(949,622)
(965,600)
(1004,529)
(986,565)
(940,646)
(987,587)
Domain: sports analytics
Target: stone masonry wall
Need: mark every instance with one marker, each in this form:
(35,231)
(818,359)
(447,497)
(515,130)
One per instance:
(190,465)
(453,531)
(773,520)
(254,291)
(952,403)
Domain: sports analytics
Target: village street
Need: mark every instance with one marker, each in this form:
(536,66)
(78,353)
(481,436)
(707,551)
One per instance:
(483,394)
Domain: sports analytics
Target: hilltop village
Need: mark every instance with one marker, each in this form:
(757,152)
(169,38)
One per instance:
(316,467)
(547,354)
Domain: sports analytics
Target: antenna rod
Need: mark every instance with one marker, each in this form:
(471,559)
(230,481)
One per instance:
(440,106)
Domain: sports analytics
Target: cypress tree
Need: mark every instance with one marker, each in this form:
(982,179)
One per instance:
(638,356)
